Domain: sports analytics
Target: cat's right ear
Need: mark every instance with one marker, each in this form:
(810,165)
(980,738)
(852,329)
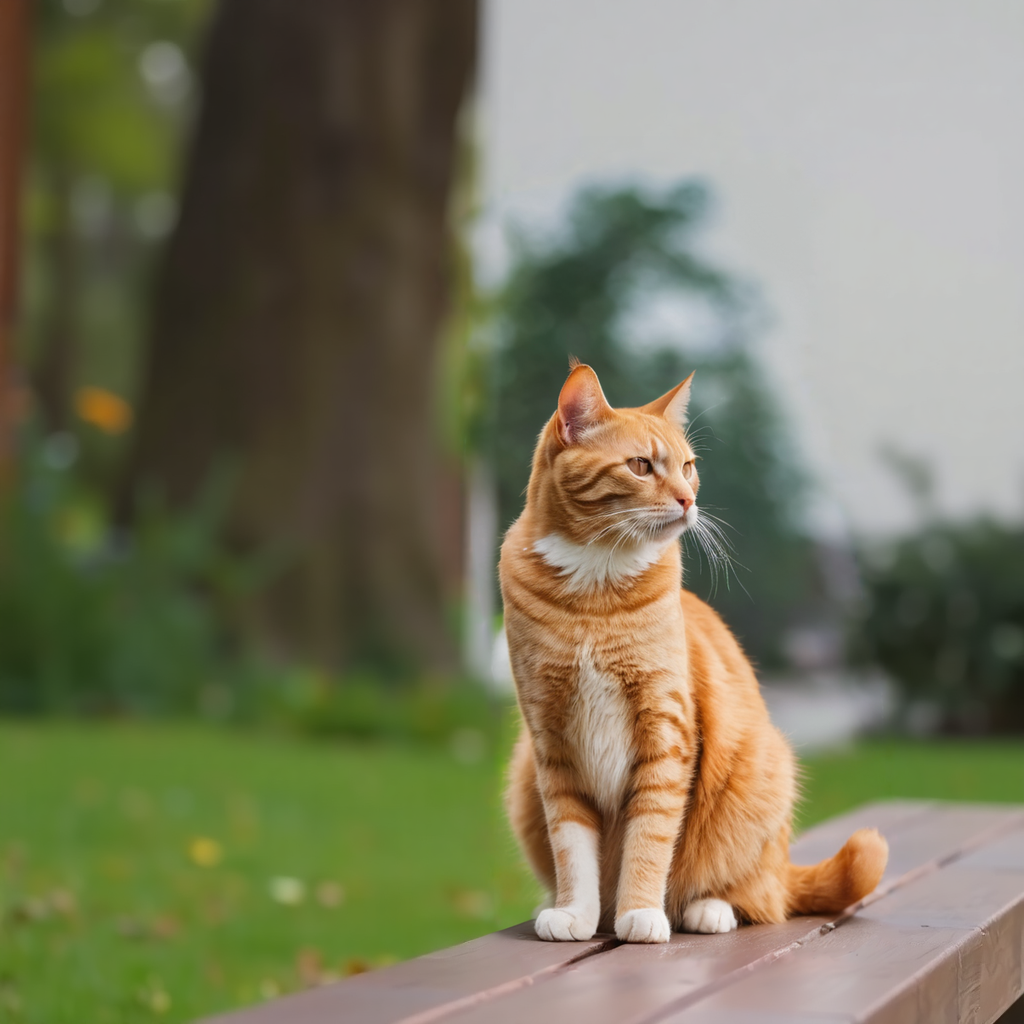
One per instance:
(581,404)
(672,405)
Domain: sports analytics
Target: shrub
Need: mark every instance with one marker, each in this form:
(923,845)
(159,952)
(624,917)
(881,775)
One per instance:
(93,621)
(97,622)
(361,706)
(944,615)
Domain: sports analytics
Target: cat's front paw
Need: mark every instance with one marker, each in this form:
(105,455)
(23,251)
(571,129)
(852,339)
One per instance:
(648,924)
(709,917)
(565,924)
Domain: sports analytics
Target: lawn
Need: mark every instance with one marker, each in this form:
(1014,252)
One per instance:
(165,872)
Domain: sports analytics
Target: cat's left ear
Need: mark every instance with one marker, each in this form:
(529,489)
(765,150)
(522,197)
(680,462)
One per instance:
(672,405)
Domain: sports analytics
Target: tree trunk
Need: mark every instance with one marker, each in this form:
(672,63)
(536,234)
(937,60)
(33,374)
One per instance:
(298,314)
(14,49)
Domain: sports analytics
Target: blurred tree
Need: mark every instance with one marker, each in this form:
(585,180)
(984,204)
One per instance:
(593,291)
(299,311)
(111,84)
(14,43)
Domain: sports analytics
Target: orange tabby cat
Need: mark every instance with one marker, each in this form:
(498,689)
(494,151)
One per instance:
(649,789)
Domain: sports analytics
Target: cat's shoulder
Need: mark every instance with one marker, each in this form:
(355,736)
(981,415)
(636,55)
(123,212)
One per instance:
(700,612)
(708,636)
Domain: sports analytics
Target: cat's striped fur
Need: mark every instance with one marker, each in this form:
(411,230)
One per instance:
(649,790)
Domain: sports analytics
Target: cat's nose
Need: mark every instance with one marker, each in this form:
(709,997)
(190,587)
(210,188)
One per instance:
(686,503)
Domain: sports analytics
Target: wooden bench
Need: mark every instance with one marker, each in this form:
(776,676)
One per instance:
(941,940)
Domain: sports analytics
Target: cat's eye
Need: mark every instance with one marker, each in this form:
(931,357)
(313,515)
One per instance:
(688,470)
(639,466)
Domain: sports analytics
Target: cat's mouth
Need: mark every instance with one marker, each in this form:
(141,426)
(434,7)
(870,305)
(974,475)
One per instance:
(678,526)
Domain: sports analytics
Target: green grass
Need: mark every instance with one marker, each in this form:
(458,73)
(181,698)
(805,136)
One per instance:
(413,836)
(105,914)
(985,770)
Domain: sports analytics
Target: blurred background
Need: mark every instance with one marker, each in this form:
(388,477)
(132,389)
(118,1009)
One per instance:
(287,292)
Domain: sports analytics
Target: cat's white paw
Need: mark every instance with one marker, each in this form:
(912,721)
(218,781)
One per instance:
(545,904)
(648,924)
(566,924)
(709,917)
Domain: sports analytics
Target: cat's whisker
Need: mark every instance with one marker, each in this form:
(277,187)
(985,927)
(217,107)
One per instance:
(716,531)
(716,557)
(703,412)
(626,521)
(717,547)
(624,512)
(716,519)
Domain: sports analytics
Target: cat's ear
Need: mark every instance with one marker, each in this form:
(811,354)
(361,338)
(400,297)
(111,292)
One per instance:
(581,404)
(672,405)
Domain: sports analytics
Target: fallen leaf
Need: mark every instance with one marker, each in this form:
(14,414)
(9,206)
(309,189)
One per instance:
(473,903)
(165,927)
(10,999)
(131,928)
(309,963)
(330,895)
(30,909)
(63,902)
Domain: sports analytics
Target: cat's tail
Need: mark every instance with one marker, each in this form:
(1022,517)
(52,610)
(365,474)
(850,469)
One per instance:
(835,883)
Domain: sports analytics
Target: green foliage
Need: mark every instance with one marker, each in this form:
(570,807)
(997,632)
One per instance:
(112,90)
(943,614)
(365,707)
(94,622)
(582,292)
(98,622)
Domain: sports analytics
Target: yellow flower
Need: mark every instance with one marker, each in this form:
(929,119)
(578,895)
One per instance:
(207,853)
(103,409)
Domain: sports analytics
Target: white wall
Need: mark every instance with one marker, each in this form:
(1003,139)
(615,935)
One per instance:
(869,160)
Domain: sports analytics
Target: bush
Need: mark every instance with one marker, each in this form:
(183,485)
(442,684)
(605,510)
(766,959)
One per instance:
(944,616)
(93,621)
(97,622)
(364,707)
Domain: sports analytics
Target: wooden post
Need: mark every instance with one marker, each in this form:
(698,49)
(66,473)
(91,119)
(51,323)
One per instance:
(14,36)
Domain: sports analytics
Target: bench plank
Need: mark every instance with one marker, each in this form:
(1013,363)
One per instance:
(946,947)
(635,982)
(429,986)
(943,934)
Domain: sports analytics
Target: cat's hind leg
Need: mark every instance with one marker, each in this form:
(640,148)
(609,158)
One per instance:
(710,917)
(526,815)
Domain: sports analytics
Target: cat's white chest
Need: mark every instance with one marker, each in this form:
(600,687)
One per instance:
(601,735)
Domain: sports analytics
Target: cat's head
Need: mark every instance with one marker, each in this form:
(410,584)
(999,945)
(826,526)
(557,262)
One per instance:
(623,478)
